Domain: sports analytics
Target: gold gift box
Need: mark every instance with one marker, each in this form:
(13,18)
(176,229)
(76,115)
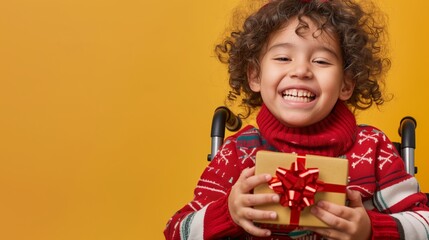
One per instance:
(331,171)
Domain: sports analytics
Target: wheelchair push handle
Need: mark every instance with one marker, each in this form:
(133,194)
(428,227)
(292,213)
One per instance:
(222,118)
(407,131)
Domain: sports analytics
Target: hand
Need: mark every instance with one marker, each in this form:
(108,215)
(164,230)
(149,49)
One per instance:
(241,201)
(345,222)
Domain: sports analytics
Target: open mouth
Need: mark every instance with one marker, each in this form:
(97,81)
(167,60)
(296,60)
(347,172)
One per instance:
(298,95)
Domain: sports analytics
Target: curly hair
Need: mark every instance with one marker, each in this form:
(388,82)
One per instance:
(361,35)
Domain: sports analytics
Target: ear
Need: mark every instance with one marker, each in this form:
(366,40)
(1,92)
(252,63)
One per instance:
(253,79)
(347,87)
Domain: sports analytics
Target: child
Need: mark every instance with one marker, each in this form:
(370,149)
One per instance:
(306,64)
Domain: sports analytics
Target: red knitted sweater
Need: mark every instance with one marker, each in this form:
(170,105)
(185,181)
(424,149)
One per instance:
(392,198)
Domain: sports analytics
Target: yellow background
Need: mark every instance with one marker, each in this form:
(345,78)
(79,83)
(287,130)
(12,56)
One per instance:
(106,106)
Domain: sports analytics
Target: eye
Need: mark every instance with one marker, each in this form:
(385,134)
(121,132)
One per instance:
(282,59)
(322,62)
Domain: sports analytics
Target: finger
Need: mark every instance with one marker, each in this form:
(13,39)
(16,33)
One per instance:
(248,172)
(249,227)
(251,182)
(355,199)
(259,199)
(330,218)
(335,209)
(256,214)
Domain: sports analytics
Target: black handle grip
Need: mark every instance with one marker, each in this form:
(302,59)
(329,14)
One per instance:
(407,131)
(222,118)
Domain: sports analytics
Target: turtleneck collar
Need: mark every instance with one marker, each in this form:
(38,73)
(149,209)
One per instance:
(332,136)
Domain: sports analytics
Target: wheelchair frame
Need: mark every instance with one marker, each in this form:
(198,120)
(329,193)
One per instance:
(225,118)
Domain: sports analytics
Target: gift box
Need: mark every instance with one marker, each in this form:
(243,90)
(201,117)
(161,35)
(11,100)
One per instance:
(301,180)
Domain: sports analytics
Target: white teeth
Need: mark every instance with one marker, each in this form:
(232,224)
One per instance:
(298,95)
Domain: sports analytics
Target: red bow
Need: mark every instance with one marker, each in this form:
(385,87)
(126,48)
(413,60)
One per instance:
(296,186)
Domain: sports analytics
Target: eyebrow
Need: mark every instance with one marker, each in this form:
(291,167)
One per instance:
(289,45)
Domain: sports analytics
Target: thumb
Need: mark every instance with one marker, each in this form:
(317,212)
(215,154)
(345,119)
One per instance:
(355,199)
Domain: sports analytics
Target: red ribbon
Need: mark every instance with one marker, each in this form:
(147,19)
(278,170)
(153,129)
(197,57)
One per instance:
(298,185)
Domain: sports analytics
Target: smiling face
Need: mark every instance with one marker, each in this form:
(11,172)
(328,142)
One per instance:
(301,77)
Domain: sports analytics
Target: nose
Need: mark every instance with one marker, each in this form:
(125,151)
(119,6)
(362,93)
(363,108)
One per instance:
(301,70)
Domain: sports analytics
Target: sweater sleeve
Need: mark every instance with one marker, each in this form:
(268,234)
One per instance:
(400,208)
(207,215)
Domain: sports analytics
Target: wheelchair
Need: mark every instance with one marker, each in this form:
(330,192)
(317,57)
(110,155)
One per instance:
(224,118)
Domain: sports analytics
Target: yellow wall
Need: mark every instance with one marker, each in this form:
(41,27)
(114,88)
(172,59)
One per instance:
(105,110)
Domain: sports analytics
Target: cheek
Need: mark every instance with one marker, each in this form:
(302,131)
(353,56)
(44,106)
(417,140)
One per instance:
(333,82)
(273,76)
(269,86)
